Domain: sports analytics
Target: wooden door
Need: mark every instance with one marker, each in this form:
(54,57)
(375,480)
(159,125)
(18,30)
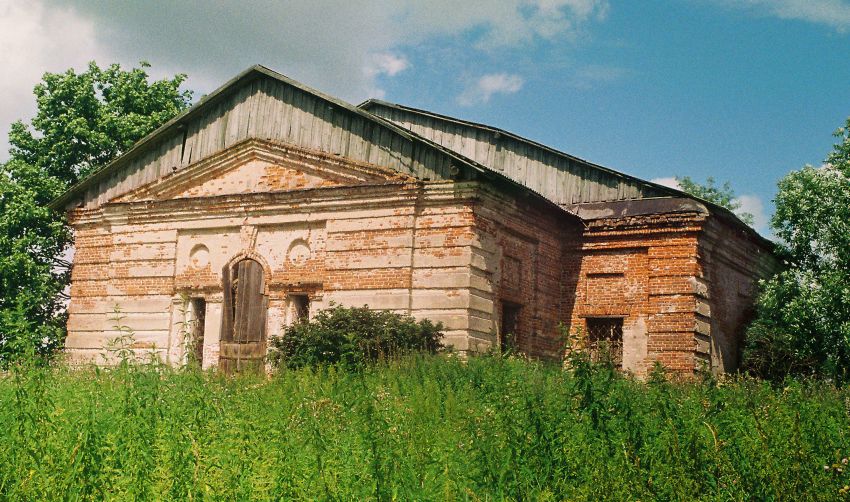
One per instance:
(243,319)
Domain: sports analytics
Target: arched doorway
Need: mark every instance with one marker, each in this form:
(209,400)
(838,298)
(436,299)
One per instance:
(243,319)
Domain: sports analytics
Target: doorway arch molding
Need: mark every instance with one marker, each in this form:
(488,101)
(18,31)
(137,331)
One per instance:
(251,254)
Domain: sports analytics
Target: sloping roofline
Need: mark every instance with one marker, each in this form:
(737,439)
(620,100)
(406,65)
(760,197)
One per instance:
(252,72)
(477,125)
(257,71)
(673,192)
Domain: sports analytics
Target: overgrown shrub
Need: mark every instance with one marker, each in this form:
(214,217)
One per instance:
(803,312)
(353,336)
(22,337)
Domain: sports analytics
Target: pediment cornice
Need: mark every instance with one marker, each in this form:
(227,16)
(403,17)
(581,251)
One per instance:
(334,170)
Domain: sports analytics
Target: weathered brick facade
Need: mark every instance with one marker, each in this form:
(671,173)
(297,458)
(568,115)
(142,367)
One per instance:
(473,251)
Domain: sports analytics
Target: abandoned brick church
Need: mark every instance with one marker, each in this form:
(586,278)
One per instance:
(267,201)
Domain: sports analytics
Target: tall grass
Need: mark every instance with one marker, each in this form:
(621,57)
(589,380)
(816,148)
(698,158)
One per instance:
(429,428)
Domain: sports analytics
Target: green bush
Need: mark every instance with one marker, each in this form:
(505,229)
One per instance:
(353,337)
(802,325)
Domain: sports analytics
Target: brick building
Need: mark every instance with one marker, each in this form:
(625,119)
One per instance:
(268,200)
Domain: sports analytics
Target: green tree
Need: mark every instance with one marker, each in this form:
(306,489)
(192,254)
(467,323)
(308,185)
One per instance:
(722,195)
(84,120)
(803,313)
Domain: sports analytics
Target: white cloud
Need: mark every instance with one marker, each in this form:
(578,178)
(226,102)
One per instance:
(753,204)
(35,39)
(832,13)
(500,24)
(482,89)
(349,48)
(668,182)
(344,47)
(382,64)
(386,63)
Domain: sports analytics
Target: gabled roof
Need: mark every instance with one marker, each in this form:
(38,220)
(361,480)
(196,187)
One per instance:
(384,140)
(184,117)
(451,131)
(120,174)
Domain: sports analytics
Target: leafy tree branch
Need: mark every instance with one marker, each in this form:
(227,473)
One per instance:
(83,121)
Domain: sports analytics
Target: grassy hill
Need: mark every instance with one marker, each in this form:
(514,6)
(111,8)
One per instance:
(429,428)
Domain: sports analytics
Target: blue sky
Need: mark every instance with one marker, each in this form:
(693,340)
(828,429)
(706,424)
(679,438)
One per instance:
(741,90)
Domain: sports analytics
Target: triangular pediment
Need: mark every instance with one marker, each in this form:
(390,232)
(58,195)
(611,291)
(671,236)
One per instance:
(263,105)
(257,166)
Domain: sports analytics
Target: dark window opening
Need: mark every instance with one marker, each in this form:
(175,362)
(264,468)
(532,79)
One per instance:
(199,316)
(510,324)
(300,308)
(605,339)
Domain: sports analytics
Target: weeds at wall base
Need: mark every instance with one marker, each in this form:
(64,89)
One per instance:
(432,427)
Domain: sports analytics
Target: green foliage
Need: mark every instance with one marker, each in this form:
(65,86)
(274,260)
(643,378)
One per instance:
(86,119)
(723,196)
(83,121)
(422,428)
(353,337)
(120,348)
(803,322)
(32,272)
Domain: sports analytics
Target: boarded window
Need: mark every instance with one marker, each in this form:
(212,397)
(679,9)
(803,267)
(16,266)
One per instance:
(510,325)
(605,339)
(511,274)
(243,320)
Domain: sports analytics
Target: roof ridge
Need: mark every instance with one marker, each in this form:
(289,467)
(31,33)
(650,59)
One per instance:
(523,139)
(665,189)
(251,72)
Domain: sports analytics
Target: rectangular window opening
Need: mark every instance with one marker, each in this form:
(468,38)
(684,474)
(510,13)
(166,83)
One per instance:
(199,315)
(605,339)
(510,325)
(299,308)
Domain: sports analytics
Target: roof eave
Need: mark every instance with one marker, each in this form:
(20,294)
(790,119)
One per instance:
(727,214)
(661,188)
(252,72)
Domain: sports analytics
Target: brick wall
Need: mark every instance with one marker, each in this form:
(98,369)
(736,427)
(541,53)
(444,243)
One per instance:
(731,261)
(459,253)
(389,243)
(520,245)
(683,284)
(642,270)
